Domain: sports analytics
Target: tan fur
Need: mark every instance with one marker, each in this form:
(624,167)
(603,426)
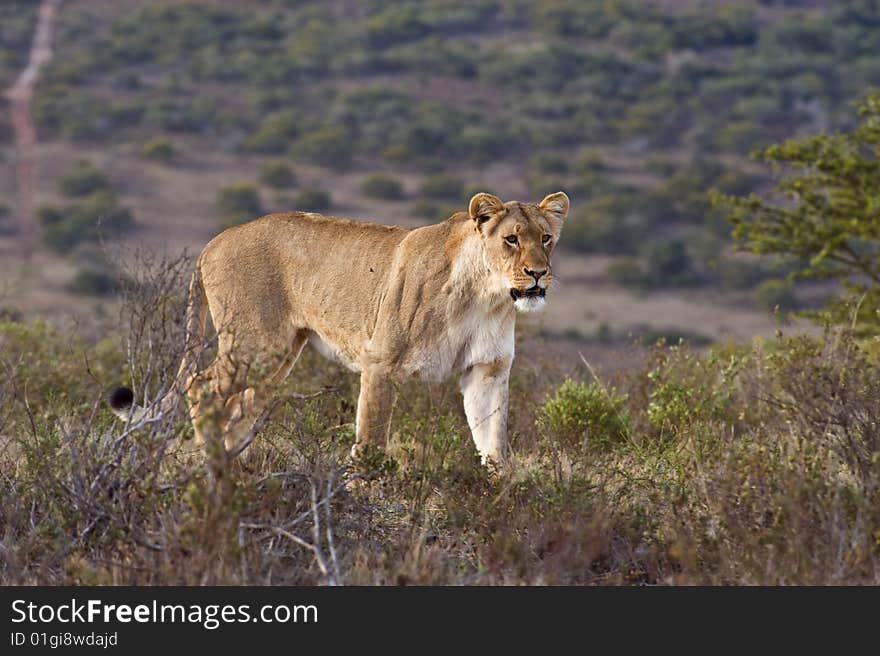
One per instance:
(390,303)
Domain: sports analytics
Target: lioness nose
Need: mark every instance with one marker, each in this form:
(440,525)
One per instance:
(535,274)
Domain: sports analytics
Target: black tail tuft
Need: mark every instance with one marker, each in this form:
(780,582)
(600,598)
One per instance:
(121,398)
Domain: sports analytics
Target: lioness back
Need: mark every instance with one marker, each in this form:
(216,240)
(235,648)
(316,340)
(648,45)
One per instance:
(265,278)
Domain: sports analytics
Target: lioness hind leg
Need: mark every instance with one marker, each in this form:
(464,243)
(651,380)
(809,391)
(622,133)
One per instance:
(206,391)
(375,401)
(233,409)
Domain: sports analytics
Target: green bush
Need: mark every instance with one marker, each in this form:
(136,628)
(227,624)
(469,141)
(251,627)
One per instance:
(395,25)
(382,186)
(330,145)
(668,263)
(580,416)
(775,293)
(740,274)
(443,186)
(82,178)
(627,271)
(433,210)
(277,175)
(160,149)
(275,134)
(588,162)
(607,223)
(238,202)
(188,115)
(688,391)
(86,219)
(93,282)
(549,163)
(313,199)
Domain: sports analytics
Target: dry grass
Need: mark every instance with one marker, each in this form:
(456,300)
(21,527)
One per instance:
(748,465)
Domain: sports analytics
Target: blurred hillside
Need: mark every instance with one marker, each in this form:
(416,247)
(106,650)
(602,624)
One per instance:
(167,121)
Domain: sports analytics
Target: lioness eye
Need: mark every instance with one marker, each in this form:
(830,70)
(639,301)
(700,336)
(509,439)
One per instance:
(546,239)
(511,239)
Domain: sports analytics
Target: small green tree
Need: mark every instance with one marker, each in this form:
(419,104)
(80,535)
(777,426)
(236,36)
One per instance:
(830,226)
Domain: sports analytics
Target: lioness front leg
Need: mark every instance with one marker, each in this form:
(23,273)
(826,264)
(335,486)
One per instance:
(375,400)
(484,389)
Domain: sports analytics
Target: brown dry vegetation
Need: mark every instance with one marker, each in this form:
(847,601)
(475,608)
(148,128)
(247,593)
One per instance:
(755,464)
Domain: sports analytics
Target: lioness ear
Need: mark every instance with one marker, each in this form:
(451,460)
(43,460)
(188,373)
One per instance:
(556,204)
(484,206)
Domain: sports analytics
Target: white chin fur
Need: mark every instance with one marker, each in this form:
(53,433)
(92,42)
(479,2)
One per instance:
(529,304)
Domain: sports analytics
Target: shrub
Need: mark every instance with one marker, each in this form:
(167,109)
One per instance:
(688,391)
(627,271)
(549,163)
(160,149)
(93,282)
(86,219)
(481,143)
(588,162)
(433,210)
(608,223)
(382,186)
(668,263)
(443,186)
(330,145)
(278,175)
(81,179)
(396,25)
(192,115)
(239,201)
(313,199)
(275,133)
(775,293)
(579,415)
(740,273)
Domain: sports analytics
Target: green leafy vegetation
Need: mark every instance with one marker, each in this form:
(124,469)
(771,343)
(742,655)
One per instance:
(160,149)
(635,109)
(775,294)
(312,199)
(830,228)
(93,211)
(278,175)
(382,186)
(579,416)
(82,179)
(442,186)
(239,202)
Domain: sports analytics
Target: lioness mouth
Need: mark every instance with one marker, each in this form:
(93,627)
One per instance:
(532,291)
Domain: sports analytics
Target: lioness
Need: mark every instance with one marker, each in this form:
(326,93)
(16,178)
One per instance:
(388,302)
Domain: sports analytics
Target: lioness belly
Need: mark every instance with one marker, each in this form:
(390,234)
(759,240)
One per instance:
(331,351)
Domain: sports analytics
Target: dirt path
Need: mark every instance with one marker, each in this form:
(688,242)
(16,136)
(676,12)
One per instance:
(20,96)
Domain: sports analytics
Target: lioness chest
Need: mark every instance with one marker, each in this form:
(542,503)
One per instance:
(476,337)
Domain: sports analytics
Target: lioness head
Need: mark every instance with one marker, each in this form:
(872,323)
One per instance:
(518,239)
